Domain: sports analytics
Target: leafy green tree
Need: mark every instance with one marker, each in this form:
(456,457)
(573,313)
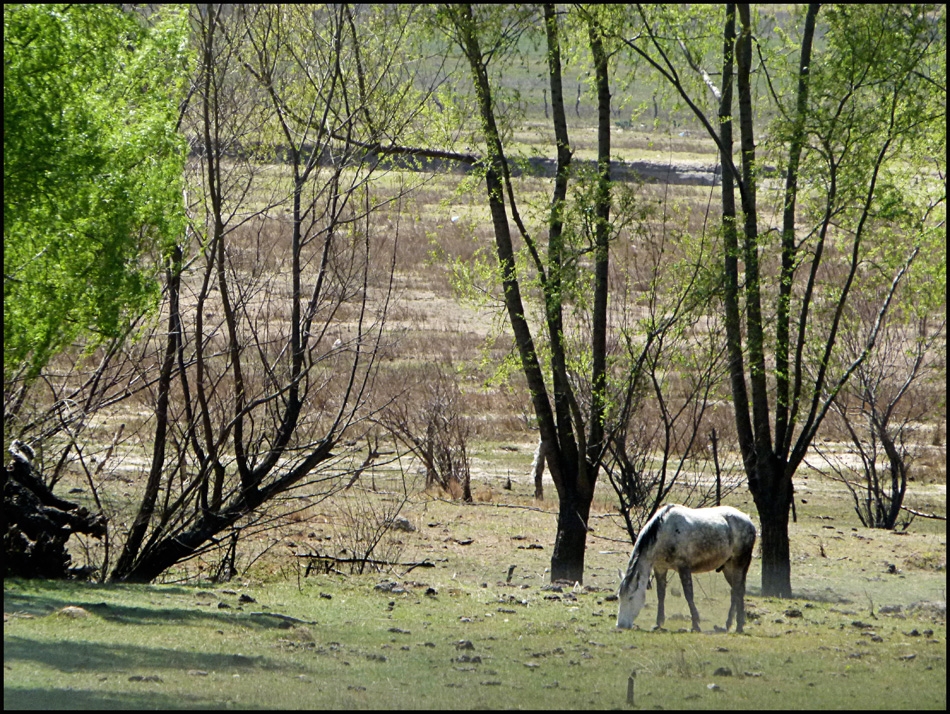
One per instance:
(92,171)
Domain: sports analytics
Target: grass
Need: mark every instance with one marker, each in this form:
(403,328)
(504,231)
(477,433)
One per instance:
(854,634)
(359,647)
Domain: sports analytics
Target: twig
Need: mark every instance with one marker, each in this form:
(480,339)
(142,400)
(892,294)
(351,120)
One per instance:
(328,559)
(285,618)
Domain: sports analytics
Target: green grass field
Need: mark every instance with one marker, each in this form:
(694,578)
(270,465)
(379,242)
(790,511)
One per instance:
(856,636)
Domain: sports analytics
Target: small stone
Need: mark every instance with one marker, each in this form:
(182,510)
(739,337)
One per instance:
(401,523)
(73,611)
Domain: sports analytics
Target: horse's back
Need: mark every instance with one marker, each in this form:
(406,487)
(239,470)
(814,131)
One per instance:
(737,520)
(704,538)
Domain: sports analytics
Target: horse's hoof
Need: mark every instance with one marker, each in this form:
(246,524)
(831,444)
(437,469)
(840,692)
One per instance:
(717,628)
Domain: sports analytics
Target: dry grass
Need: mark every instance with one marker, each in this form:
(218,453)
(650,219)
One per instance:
(427,324)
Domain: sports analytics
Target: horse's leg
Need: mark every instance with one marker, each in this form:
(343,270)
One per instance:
(731,577)
(738,598)
(735,576)
(660,597)
(686,578)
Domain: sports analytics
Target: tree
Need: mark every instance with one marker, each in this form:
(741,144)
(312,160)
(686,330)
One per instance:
(891,392)
(429,422)
(868,86)
(263,394)
(574,390)
(92,175)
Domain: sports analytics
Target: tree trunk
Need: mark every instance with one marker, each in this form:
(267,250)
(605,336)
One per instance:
(601,259)
(37,524)
(567,561)
(776,562)
(133,543)
(772,491)
(162,553)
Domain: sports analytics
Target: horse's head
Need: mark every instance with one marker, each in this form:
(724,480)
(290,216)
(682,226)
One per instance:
(632,596)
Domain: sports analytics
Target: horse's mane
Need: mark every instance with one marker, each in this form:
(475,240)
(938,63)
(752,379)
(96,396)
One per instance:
(648,536)
(652,529)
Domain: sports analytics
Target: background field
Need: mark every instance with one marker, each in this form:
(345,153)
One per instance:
(482,627)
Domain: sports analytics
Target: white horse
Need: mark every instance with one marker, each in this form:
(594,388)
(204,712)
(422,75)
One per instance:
(688,540)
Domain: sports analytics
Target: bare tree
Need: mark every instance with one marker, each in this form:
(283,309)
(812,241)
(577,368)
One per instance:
(431,424)
(274,324)
(881,409)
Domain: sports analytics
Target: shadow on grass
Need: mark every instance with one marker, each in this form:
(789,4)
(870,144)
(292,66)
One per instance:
(85,656)
(56,699)
(41,604)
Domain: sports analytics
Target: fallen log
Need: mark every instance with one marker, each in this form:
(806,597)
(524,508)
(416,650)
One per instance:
(935,516)
(37,523)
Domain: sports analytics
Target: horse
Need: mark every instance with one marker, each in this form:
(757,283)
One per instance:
(688,540)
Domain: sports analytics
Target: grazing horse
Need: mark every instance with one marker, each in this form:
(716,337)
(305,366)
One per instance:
(688,540)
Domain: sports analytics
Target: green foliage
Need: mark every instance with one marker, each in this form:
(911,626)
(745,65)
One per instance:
(92,171)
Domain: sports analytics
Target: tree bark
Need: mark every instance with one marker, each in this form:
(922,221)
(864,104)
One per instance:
(595,445)
(772,492)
